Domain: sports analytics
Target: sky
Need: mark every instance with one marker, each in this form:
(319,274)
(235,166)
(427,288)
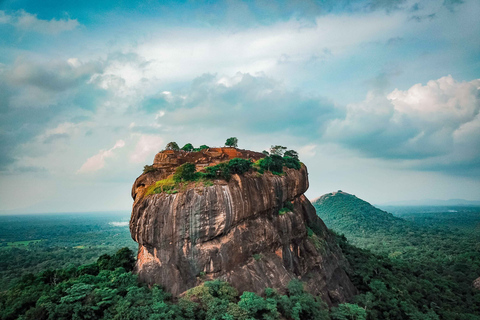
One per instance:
(381,98)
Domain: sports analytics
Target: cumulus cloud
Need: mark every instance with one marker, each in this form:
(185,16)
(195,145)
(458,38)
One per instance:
(53,76)
(147,145)
(245,102)
(436,124)
(25,21)
(97,161)
(184,53)
(37,95)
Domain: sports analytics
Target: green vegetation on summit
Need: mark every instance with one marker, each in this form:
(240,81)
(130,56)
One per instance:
(273,161)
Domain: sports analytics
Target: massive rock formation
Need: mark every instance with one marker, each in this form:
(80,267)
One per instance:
(233,231)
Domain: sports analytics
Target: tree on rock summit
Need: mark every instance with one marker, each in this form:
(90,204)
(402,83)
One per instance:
(232,142)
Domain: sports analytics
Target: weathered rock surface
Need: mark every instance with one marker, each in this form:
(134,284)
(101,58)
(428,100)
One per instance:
(476,283)
(233,231)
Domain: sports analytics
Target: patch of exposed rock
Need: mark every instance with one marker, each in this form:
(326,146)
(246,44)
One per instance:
(476,283)
(233,231)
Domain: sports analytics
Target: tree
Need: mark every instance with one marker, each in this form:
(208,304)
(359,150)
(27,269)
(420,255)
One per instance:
(221,170)
(347,311)
(239,166)
(291,154)
(273,163)
(292,163)
(232,142)
(172,146)
(124,258)
(204,146)
(147,168)
(187,147)
(186,172)
(277,150)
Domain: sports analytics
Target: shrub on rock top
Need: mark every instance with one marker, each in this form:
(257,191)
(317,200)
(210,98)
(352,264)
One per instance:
(185,172)
(172,146)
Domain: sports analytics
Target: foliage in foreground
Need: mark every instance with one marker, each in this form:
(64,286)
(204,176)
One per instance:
(108,290)
(392,289)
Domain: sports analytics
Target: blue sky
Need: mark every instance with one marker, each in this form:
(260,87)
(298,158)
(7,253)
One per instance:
(381,98)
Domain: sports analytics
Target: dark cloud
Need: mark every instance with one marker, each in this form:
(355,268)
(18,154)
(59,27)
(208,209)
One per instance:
(420,18)
(250,103)
(395,41)
(451,4)
(54,76)
(388,5)
(382,81)
(415,7)
(36,96)
(154,104)
(30,169)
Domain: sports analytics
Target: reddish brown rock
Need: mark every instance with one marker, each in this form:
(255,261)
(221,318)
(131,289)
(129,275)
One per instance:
(233,231)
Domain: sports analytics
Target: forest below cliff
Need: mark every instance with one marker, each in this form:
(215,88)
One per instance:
(418,267)
(426,260)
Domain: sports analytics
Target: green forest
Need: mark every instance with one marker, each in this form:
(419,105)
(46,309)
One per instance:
(419,266)
(403,268)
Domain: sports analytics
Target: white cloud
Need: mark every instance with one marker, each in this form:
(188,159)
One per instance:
(435,125)
(147,145)
(249,104)
(307,151)
(4,18)
(180,54)
(444,102)
(97,162)
(29,22)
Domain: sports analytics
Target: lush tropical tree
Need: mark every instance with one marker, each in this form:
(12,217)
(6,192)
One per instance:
(239,165)
(187,147)
(347,311)
(172,146)
(273,163)
(291,154)
(232,142)
(277,150)
(186,172)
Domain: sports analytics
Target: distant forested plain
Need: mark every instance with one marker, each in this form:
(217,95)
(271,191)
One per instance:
(418,263)
(419,260)
(33,243)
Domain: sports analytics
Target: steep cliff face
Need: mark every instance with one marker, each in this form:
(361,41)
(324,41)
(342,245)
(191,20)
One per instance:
(233,231)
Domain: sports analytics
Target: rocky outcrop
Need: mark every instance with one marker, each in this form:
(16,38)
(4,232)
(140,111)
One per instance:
(233,231)
(476,283)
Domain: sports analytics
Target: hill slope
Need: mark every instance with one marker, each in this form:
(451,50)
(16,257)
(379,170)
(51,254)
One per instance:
(371,228)
(414,267)
(345,211)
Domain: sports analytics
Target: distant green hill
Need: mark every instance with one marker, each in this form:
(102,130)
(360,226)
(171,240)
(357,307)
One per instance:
(366,226)
(411,271)
(371,228)
(346,212)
